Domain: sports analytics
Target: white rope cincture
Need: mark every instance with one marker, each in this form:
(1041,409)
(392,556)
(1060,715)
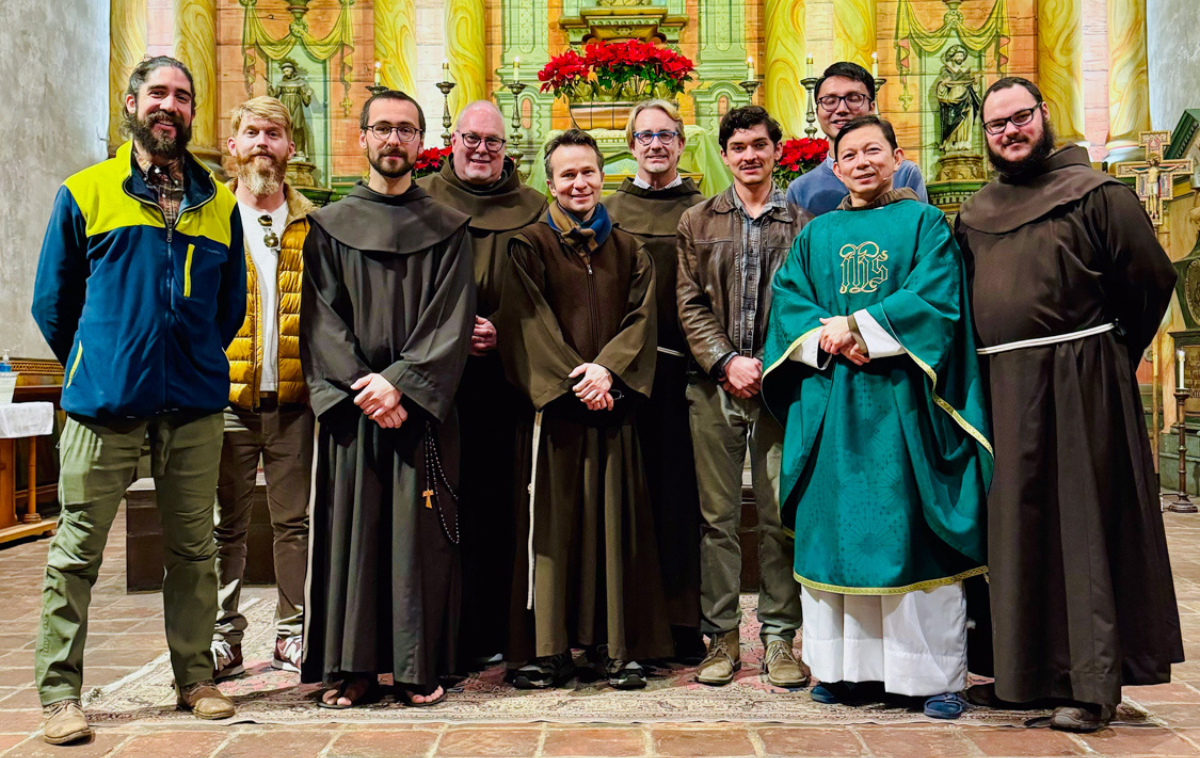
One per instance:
(537,441)
(1044,341)
(669,351)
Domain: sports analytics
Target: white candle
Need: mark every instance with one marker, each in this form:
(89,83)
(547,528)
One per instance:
(809,64)
(445,70)
(517,69)
(874,65)
(750,68)
(378,65)
(1180,363)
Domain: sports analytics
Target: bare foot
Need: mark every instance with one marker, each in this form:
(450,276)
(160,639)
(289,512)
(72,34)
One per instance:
(354,690)
(423,699)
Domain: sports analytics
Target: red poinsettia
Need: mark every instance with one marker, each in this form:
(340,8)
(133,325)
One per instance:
(429,161)
(620,70)
(799,156)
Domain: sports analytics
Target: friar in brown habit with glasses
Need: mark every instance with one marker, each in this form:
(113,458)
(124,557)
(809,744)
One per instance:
(480,181)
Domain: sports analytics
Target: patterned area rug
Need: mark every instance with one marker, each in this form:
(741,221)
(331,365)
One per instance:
(265,695)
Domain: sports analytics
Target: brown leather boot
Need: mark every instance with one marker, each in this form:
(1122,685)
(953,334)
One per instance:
(723,659)
(65,723)
(782,668)
(205,701)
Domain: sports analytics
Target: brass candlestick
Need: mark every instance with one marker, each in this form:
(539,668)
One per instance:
(750,85)
(810,111)
(514,142)
(1182,503)
(445,88)
(375,89)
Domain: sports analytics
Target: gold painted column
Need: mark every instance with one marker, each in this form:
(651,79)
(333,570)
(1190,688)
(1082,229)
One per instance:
(396,43)
(466,48)
(1128,88)
(854,31)
(1060,64)
(783,26)
(127,47)
(195,45)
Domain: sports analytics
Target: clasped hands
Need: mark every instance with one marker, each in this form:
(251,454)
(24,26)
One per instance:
(594,390)
(837,339)
(380,401)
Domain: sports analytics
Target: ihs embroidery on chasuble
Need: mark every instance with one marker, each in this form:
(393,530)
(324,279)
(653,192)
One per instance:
(862,268)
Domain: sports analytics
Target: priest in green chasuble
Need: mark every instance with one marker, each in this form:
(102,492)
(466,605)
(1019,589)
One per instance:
(871,367)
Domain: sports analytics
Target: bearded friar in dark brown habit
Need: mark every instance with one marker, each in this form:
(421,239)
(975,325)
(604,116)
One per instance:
(649,206)
(385,326)
(1068,286)
(577,337)
(479,181)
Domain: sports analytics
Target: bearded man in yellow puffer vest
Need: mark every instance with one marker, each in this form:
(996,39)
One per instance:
(268,413)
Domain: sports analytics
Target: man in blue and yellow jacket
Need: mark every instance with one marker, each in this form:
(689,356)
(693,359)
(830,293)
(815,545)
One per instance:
(140,288)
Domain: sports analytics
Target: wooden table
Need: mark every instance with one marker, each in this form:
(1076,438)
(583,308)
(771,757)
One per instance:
(17,523)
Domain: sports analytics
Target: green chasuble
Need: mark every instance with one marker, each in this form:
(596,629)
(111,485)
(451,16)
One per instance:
(885,466)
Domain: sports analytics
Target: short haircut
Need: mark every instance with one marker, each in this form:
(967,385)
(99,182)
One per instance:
(141,72)
(1009,82)
(657,104)
(568,138)
(847,70)
(364,118)
(267,108)
(748,117)
(861,123)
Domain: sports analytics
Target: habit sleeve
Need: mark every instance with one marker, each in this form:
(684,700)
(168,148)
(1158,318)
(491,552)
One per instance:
(632,354)
(435,353)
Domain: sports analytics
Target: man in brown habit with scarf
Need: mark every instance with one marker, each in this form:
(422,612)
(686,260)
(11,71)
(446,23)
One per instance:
(479,181)
(1068,287)
(577,336)
(648,206)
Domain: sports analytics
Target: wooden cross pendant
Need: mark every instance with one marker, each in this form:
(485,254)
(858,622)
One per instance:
(428,494)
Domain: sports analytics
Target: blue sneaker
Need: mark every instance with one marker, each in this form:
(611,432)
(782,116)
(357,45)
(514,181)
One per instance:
(948,705)
(832,693)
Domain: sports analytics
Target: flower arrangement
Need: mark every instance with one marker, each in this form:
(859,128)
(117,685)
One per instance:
(799,156)
(429,161)
(629,70)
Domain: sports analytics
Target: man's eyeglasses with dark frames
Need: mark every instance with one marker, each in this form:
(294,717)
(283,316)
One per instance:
(1020,118)
(853,100)
(665,138)
(491,144)
(404,133)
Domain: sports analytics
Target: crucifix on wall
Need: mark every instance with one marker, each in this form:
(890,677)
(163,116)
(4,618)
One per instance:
(1155,175)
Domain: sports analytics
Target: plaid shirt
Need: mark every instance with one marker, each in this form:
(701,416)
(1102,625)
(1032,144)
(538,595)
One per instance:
(752,234)
(167,184)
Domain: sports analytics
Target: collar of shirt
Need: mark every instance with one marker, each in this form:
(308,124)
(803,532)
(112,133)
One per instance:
(777,199)
(157,175)
(637,182)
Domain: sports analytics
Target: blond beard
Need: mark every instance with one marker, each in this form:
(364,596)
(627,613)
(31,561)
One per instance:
(261,182)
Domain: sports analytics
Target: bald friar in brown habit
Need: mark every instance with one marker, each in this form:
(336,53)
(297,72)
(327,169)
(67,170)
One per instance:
(1068,287)
(479,181)
(649,206)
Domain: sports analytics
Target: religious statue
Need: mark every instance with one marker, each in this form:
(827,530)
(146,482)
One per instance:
(957,93)
(295,94)
(1155,177)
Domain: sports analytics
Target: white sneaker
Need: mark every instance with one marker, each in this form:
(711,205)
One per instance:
(288,651)
(227,660)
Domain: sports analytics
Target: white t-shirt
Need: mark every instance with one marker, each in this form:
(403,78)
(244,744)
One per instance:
(266,266)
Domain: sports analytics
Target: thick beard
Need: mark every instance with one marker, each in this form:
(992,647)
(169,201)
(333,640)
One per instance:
(261,181)
(159,146)
(376,161)
(1030,164)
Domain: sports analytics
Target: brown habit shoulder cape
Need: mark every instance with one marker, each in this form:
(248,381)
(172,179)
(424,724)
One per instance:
(595,567)
(387,290)
(1081,587)
(488,410)
(652,216)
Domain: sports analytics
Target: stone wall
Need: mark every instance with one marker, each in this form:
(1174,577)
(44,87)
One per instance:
(54,66)
(1172,27)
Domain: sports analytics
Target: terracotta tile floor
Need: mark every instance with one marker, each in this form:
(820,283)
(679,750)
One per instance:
(118,619)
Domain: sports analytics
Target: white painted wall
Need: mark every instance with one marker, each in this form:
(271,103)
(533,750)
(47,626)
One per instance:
(431,51)
(54,87)
(1173,37)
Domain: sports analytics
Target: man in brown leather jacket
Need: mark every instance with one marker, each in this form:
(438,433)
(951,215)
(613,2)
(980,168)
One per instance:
(730,247)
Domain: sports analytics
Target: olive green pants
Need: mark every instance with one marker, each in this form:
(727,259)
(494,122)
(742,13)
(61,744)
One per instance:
(98,462)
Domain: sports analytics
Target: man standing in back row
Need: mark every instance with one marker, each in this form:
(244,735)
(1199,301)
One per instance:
(1069,285)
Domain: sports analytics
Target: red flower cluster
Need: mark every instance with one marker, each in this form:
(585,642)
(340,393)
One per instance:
(799,156)
(429,161)
(618,67)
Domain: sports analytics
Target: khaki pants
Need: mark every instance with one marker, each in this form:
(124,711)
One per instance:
(98,462)
(723,426)
(284,440)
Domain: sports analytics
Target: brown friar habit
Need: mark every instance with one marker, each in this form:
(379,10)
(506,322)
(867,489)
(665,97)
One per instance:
(1082,599)
(488,410)
(387,290)
(653,217)
(593,560)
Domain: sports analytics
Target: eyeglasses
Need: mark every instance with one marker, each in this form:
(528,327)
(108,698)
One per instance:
(665,138)
(1020,118)
(853,100)
(270,238)
(404,133)
(491,144)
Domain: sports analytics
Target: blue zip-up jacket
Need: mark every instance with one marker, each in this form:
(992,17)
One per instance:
(140,314)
